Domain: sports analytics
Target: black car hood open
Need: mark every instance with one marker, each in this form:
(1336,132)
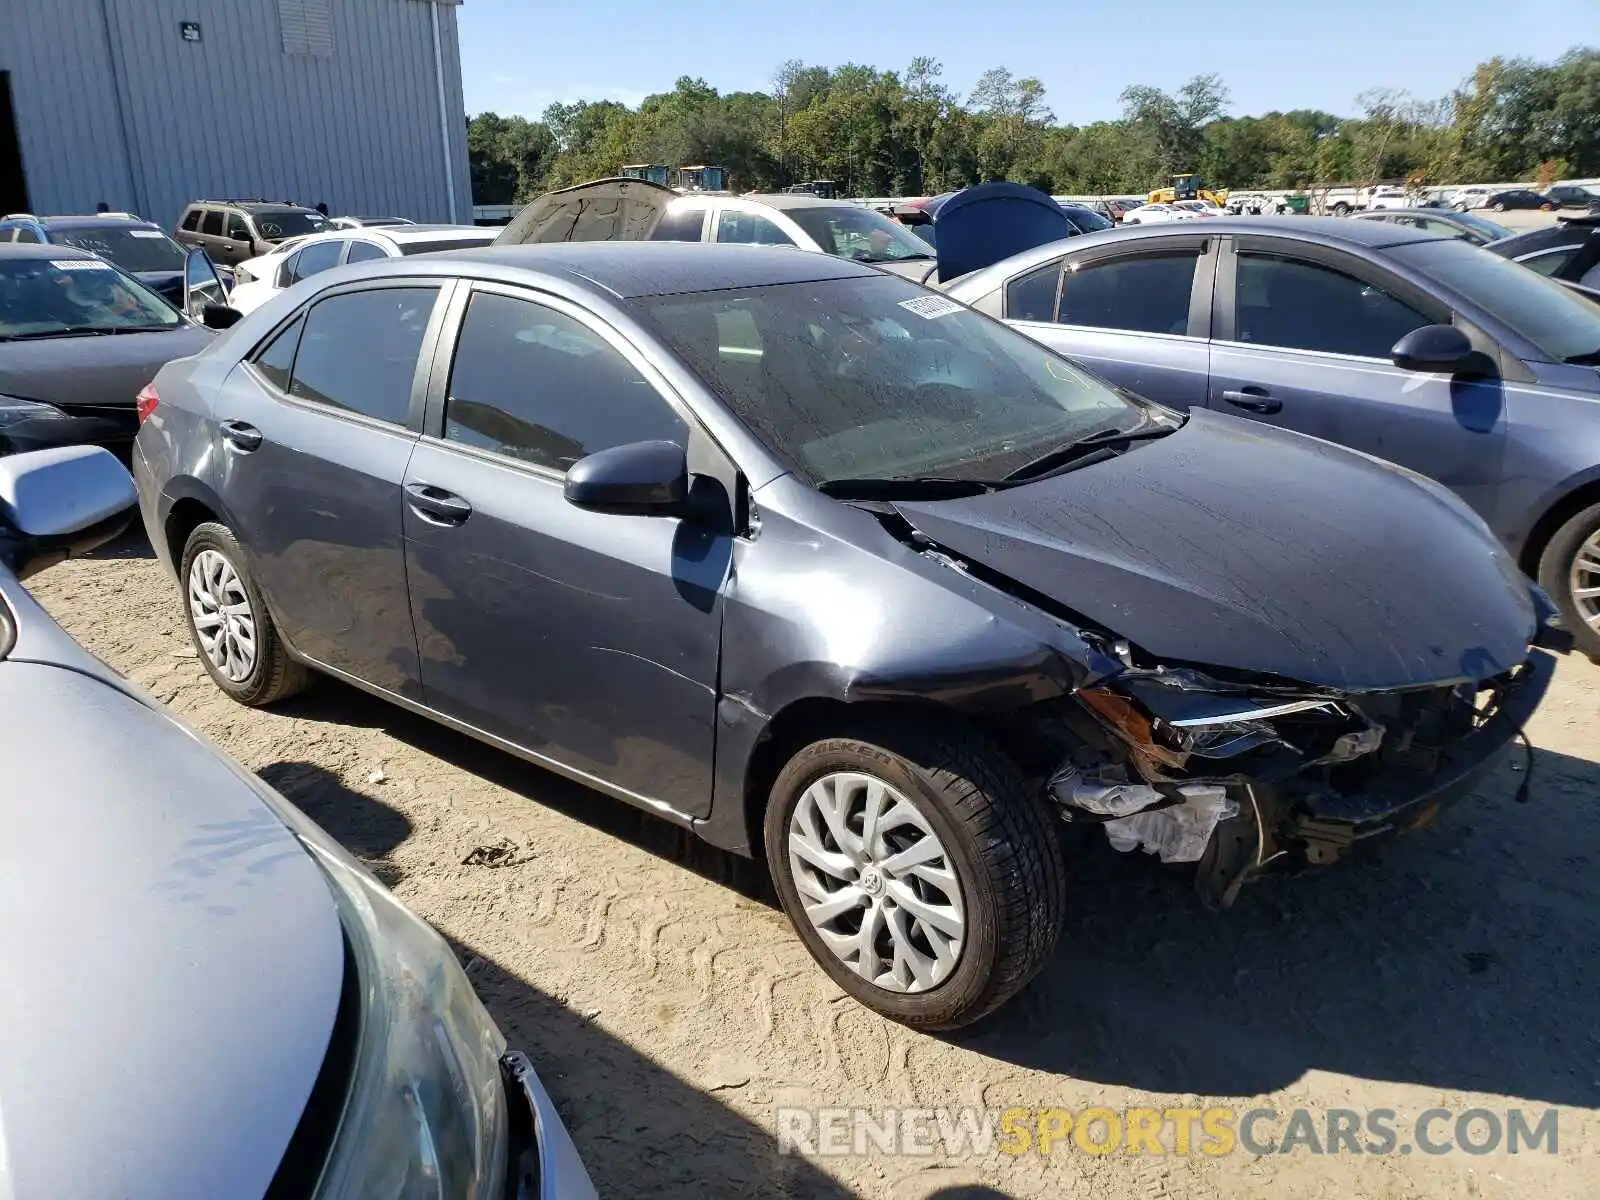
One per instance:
(1232,544)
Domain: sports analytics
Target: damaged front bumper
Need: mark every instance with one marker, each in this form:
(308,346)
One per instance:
(1236,779)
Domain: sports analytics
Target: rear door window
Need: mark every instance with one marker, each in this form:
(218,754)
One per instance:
(684,224)
(749,229)
(1142,293)
(1302,305)
(313,259)
(1032,297)
(212,224)
(536,385)
(276,360)
(359,351)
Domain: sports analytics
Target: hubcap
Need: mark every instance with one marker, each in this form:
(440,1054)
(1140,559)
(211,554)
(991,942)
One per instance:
(1585,581)
(875,882)
(224,624)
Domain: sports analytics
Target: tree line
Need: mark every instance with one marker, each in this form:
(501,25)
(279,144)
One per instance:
(891,133)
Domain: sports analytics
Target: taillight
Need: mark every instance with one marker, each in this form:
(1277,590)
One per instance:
(145,402)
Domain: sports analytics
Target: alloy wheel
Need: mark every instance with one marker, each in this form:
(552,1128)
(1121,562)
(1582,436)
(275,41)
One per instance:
(1584,580)
(224,623)
(876,882)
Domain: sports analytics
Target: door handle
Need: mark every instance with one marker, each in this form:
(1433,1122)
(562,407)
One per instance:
(1253,399)
(437,505)
(241,435)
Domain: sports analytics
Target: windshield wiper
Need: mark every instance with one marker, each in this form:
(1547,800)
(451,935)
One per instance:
(1097,447)
(1588,359)
(39,334)
(927,487)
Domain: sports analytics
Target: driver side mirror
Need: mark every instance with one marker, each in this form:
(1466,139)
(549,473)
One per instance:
(641,479)
(1441,349)
(220,316)
(60,503)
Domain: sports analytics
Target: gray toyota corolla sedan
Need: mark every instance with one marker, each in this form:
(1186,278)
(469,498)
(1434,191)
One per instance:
(821,564)
(204,995)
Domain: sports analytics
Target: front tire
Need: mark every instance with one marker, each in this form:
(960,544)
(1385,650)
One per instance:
(1569,570)
(1498,207)
(239,646)
(917,869)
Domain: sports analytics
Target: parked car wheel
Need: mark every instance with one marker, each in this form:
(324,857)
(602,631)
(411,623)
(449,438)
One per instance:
(1547,208)
(1341,209)
(1498,206)
(1569,570)
(919,872)
(238,643)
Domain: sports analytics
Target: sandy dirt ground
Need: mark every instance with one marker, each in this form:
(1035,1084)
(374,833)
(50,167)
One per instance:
(671,1012)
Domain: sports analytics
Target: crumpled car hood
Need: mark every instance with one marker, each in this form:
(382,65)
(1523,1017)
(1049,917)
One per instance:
(1232,544)
(605,210)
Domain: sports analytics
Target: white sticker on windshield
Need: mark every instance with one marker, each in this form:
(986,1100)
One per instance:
(80,264)
(146,233)
(932,307)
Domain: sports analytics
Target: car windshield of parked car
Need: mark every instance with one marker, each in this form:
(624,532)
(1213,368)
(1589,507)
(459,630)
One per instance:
(42,297)
(850,231)
(880,379)
(131,248)
(1086,219)
(275,224)
(1559,325)
(1482,226)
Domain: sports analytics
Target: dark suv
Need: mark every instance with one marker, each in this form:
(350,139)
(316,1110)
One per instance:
(141,248)
(1572,195)
(234,230)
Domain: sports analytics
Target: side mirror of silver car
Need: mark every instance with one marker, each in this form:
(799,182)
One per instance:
(59,503)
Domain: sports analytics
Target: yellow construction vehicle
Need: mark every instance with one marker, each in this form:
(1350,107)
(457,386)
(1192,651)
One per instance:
(1189,187)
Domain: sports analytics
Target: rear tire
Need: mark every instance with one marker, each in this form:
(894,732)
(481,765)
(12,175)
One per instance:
(228,621)
(1498,207)
(974,905)
(1571,563)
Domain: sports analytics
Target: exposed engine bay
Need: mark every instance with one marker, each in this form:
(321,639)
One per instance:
(1236,777)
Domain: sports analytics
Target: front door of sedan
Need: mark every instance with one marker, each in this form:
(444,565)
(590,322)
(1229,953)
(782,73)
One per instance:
(314,433)
(590,640)
(1138,317)
(1303,341)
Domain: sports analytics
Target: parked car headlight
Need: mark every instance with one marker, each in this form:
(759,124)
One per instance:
(14,409)
(425,1114)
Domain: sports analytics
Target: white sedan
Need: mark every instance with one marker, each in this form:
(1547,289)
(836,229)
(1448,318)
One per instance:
(1157,214)
(260,279)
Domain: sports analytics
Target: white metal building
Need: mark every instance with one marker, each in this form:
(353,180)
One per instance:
(145,105)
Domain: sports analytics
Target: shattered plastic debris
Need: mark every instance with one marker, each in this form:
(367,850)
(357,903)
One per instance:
(1177,834)
(1103,799)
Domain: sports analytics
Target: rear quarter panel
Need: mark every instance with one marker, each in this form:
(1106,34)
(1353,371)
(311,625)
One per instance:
(1552,448)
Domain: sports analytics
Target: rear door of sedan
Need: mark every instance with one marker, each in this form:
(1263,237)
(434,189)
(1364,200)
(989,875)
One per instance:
(1303,340)
(315,429)
(588,640)
(1136,313)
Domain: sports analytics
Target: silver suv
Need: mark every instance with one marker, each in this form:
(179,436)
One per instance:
(234,230)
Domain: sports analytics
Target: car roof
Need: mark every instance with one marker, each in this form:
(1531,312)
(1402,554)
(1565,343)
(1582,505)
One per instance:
(425,233)
(1338,231)
(633,269)
(94,221)
(787,200)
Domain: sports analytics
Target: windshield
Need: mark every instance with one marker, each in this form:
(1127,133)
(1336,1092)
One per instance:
(1086,219)
(1481,226)
(1558,324)
(131,248)
(880,379)
(850,231)
(41,297)
(275,224)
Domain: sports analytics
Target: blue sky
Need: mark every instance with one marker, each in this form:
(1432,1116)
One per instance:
(520,55)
